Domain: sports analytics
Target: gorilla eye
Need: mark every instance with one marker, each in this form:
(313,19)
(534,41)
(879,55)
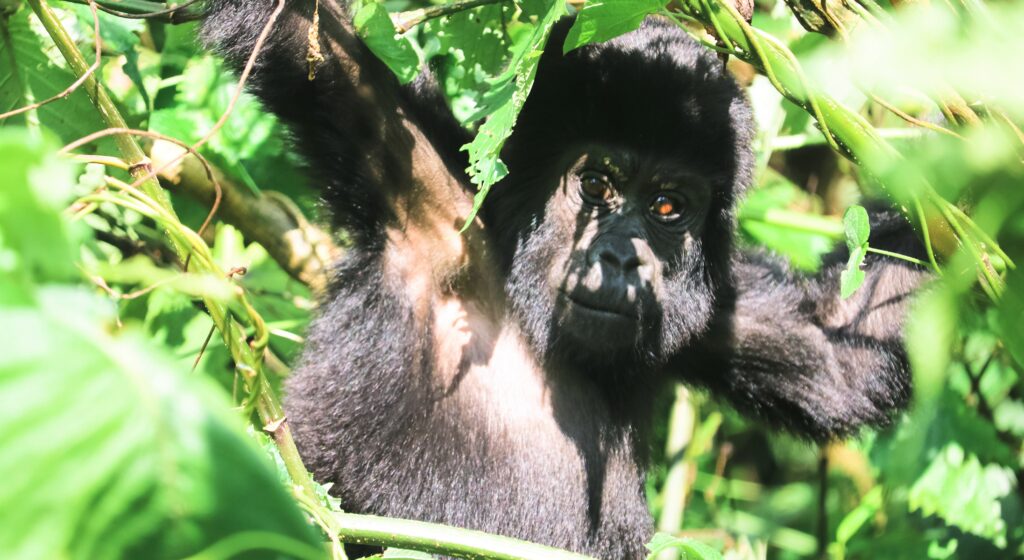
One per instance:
(666,208)
(596,186)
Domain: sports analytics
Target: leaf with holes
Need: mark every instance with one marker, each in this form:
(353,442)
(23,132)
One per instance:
(378,32)
(601,20)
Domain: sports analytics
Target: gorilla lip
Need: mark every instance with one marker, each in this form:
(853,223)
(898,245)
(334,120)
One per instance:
(591,307)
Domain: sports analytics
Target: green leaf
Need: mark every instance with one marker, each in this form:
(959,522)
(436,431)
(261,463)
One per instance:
(476,48)
(502,108)
(28,74)
(689,549)
(864,512)
(374,25)
(1011,315)
(601,20)
(36,186)
(857,227)
(110,451)
(965,493)
(853,276)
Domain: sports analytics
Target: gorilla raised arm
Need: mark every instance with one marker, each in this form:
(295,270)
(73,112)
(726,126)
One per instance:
(500,380)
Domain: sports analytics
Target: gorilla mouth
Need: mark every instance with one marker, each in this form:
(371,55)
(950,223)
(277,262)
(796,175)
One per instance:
(606,309)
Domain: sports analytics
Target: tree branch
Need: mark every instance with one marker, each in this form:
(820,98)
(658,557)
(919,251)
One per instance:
(272,220)
(442,539)
(404,21)
(180,12)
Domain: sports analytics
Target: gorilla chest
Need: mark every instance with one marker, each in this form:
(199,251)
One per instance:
(540,447)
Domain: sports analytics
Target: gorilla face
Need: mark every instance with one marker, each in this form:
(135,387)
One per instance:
(613,268)
(615,223)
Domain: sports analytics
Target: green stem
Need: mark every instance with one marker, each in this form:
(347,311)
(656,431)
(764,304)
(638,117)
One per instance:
(918,262)
(990,284)
(809,223)
(926,235)
(404,21)
(673,496)
(179,12)
(442,539)
(796,141)
(247,361)
(130,150)
(982,235)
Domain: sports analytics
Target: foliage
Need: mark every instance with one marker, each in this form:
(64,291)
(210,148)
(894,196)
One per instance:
(113,450)
(112,446)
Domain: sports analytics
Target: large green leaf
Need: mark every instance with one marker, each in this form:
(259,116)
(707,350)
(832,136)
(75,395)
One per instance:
(601,20)
(965,493)
(28,74)
(502,107)
(34,185)
(374,25)
(110,451)
(471,48)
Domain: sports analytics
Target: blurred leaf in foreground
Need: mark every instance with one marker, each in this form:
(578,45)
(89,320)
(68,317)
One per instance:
(110,451)
(688,548)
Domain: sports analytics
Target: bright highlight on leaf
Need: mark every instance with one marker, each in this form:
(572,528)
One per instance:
(601,20)
(374,26)
(502,108)
(857,229)
(688,548)
(111,449)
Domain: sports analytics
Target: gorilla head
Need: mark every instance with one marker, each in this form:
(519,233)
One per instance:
(615,235)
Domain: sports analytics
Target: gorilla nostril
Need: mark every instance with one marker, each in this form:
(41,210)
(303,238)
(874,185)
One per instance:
(619,261)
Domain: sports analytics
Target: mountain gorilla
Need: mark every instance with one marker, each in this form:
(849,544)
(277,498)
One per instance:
(501,379)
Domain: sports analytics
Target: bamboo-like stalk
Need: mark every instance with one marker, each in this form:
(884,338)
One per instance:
(441,539)
(246,357)
(845,130)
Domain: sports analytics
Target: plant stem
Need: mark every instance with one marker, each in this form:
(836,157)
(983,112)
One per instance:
(809,223)
(404,21)
(158,11)
(129,148)
(898,256)
(441,539)
(246,357)
(673,496)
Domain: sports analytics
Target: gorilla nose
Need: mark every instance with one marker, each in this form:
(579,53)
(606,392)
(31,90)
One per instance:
(619,260)
(622,257)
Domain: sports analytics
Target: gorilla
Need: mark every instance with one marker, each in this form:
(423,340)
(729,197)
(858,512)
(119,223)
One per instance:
(501,379)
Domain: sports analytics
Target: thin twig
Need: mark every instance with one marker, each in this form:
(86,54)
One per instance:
(404,21)
(97,42)
(239,88)
(219,191)
(912,119)
(142,9)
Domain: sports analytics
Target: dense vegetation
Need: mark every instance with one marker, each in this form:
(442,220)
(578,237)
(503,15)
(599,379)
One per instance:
(159,262)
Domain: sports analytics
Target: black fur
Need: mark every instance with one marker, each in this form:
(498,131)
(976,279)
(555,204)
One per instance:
(501,380)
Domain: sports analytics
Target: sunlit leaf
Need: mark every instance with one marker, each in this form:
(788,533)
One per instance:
(374,25)
(601,20)
(688,548)
(965,493)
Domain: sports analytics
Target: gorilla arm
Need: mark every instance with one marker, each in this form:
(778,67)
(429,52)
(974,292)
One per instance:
(384,153)
(788,350)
